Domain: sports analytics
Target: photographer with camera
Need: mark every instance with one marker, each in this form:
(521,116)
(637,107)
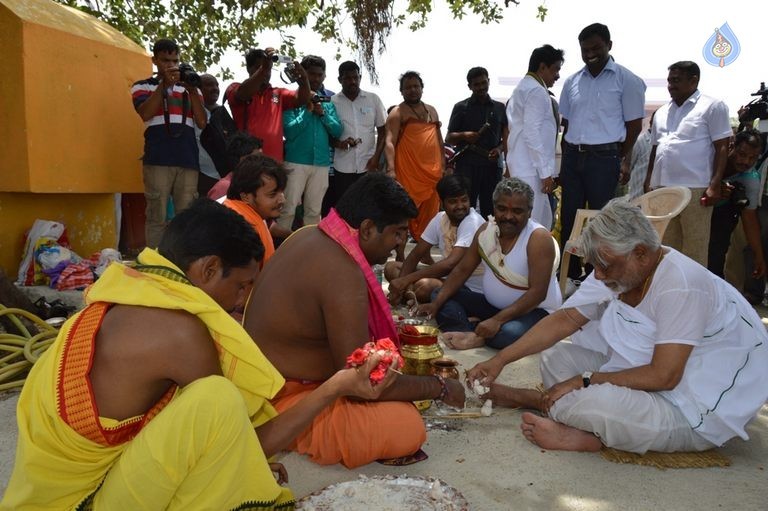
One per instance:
(309,130)
(170,104)
(741,189)
(257,107)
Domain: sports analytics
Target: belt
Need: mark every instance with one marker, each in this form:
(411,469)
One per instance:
(586,148)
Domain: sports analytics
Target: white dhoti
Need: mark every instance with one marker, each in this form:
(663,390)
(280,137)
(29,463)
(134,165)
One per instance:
(623,418)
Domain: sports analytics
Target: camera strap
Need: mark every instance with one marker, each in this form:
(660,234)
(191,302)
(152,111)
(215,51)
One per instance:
(167,114)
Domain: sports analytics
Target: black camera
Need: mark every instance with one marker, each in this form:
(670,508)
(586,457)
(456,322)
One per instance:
(317,98)
(738,197)
(757,108)
(188,75)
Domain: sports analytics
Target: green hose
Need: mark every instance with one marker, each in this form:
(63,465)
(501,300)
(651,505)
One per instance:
(19,352)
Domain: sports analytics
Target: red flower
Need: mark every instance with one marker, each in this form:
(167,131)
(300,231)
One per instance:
(378,374)
(386,344)
(357,358)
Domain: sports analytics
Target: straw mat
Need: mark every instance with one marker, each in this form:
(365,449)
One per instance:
(665,460)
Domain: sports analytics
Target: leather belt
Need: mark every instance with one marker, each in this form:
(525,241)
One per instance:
(586,148)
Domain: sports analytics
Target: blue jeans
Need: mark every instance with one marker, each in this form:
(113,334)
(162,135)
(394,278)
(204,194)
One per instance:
(588,179)
(455,313)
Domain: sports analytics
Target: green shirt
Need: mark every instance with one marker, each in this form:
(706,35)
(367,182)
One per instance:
(307,135)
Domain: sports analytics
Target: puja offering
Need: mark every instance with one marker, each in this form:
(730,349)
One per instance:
(385,493)
(419,346)
(445,367)
(389,357)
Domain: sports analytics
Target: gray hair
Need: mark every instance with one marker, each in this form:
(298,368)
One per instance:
(513,185)
(620,227)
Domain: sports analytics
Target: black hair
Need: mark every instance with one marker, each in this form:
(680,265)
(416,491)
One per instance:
(476,72)
(452,185)
(248,175)
(253,55)
(688,67)
(240,144)
(546,55)
(165,46)
(348,66)
(408,75)
(378,198)
(597,29)
(313,61)
(749,136)
(207,228)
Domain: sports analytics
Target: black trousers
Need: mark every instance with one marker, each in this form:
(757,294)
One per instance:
(483,180)
(725,218)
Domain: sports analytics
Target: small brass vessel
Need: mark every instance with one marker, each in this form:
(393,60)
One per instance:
(445,367)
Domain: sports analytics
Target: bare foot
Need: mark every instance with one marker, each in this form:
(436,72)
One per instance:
(549,434)
(462,340)
(503,395)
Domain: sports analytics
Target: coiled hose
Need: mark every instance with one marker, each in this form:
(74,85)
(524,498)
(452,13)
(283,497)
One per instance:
(19,352)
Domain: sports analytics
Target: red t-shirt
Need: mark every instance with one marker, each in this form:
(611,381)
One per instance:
(265,115)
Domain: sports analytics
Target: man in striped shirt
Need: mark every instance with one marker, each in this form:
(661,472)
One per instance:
(170,109)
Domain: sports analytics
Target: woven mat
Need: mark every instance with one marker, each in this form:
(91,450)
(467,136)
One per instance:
(665,460)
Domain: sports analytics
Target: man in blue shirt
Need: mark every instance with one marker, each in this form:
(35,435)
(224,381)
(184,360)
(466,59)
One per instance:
(602,106)
(308,131)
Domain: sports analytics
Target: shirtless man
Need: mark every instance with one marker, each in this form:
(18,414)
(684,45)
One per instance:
(317,300)
(149,397)
(414,150)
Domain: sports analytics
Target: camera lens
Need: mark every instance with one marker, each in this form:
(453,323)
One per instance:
(274,58)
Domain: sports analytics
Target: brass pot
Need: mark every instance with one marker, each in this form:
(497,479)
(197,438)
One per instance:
(445,367)
(419,351)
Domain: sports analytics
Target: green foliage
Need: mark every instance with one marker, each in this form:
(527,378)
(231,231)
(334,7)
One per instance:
(206,29)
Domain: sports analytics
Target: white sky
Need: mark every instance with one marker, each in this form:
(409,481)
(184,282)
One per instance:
(647,35)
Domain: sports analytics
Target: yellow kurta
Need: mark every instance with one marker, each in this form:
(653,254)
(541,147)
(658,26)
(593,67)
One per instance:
(66,452)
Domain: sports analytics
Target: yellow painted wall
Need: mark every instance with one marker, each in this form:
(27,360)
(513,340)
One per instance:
(69,136)
(90,221)
(69,85)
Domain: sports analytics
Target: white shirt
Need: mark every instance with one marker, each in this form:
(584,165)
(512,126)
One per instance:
(465,233)
(598,106)
(532,131)
(360,119)
(684,135)
(501,295)
(724,383)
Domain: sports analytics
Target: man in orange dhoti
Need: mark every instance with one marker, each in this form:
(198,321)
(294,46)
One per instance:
(327,269)
(414,150)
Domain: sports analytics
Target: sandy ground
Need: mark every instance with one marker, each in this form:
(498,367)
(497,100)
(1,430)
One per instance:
(495,468)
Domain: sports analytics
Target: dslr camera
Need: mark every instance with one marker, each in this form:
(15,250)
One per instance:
(757,108)
(317,98)
(188,75)
(738,194)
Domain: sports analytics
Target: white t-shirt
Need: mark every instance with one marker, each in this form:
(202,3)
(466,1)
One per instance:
(725,380)
(465,233)
(684,136)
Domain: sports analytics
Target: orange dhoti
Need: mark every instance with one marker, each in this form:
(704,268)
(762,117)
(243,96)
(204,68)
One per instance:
(354,433)
(418,167)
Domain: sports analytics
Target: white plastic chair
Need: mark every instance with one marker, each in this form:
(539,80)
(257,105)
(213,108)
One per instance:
(660,206)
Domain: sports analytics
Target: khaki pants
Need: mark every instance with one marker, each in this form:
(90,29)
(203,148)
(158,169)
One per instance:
(688,232)
(623,418)
(306,185)
(160,183)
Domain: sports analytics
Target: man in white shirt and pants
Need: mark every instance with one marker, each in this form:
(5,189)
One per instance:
(533,124)
(690,137)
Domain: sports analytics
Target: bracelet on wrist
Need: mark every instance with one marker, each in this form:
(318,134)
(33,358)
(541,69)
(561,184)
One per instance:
(443,387)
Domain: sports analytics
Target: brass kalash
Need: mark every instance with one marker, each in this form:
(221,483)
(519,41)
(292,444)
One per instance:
(419,351)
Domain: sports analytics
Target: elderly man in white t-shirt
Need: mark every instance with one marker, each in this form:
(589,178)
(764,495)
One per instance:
(452,231)
(518,257)
(690,137)
(665,356)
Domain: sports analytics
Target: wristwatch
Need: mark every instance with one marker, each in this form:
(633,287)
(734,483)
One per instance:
(586,378)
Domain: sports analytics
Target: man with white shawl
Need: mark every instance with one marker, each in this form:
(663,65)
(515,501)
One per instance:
(665,356)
